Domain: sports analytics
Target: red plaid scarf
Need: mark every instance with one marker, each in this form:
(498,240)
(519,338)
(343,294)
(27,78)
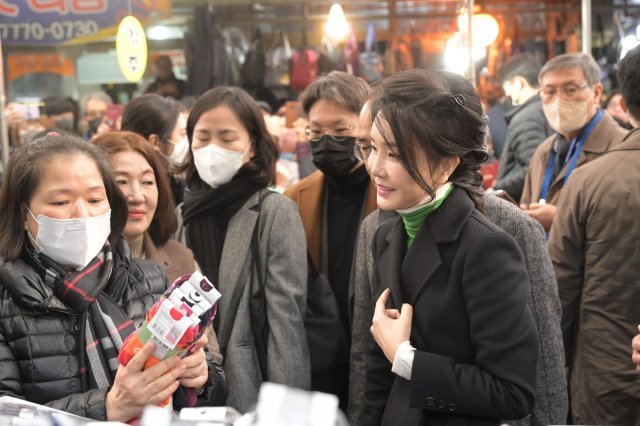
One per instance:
(104,325)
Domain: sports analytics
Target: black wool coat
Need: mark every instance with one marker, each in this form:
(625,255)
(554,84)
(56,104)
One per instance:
(476,341)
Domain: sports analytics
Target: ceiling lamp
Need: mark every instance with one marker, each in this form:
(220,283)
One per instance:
(336,27)
(485,29)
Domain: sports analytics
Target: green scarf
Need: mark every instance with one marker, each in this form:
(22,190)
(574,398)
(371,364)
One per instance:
(413,220)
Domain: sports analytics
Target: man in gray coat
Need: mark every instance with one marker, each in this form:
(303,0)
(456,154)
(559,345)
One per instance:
(551,387)
(528,126)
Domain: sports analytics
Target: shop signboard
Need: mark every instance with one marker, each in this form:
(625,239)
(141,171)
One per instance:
(131,49)
(58,22)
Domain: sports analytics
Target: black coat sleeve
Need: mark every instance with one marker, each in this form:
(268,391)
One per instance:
(501,381)
(521,144)
(379,380)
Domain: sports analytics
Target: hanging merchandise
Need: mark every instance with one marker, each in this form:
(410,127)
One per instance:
(371,65)
(278,61)
(331,58)
(237,46)
(415,47)
(304,68)
(214,56)
(351,54)
(254,66)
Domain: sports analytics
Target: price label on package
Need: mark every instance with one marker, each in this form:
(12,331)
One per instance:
(169,324)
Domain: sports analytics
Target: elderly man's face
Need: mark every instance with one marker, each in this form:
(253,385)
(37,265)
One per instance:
(568,100)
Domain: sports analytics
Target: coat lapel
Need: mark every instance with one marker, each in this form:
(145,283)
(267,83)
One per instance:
(424,256)
(421,261)
(389,263)
(310,205)
(237,244)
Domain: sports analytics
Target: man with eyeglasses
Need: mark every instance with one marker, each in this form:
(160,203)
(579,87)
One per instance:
(595,250)
(570,90)
(332,202)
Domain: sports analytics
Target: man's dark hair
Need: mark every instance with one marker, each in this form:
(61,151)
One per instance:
(629,77)
(524,65)
(346,90)
(54,105)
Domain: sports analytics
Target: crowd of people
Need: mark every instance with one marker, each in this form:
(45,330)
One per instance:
(390,276)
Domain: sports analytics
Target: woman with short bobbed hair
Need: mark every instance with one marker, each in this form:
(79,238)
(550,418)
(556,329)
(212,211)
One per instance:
(248,240)
(70,294)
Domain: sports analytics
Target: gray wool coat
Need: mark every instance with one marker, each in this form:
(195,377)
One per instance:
(551,388)
(282,249)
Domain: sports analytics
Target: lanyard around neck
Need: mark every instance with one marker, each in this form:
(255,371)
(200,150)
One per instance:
(571,158)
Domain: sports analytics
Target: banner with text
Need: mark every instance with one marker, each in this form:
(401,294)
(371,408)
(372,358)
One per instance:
(55,22)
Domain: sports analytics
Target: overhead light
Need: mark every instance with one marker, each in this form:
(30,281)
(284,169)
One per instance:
(456,58)
(628,43)
(164,32)
(484,28)
(336,27)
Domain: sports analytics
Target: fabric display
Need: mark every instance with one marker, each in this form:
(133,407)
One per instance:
(175,322)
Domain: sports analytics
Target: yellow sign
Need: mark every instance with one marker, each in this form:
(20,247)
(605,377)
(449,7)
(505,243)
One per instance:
(131,49)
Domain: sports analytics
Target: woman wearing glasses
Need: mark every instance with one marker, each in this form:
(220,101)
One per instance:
(570,90)
(332,201)
(455,341)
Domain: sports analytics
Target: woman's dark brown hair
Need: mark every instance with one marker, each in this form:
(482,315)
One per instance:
(164,222)
(439,113)
(151,114)
(263,164)
(23,175)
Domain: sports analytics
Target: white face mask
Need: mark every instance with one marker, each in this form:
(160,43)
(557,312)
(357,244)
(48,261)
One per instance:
(180,151)
(567,116)
(217,166)
(72,242)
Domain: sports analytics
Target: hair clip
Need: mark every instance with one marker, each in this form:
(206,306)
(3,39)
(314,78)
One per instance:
(52,134)
(459,99)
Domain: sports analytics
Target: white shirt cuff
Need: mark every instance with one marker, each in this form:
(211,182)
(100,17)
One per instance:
(403,361)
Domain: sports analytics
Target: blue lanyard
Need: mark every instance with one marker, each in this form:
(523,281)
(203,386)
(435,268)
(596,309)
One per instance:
(571,158)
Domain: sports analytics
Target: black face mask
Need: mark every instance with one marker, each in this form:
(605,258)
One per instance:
(335,159)
(93,126)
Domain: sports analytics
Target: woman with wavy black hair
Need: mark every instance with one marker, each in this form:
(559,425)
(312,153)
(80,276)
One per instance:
(456,342)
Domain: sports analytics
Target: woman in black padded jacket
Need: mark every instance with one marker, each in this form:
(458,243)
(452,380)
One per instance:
(70,293)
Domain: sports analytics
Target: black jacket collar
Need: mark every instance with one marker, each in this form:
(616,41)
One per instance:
(423,258)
